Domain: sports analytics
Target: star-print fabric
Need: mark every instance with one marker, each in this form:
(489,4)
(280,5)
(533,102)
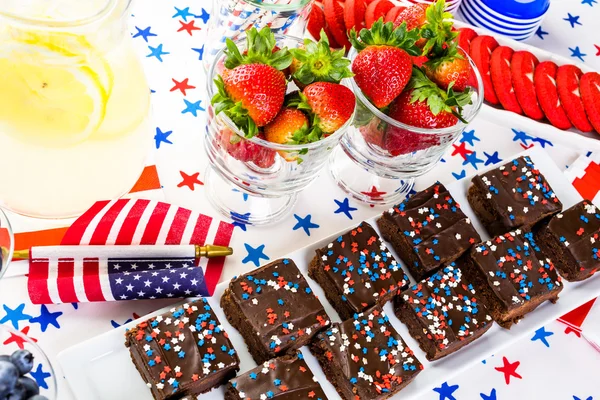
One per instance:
(177,82)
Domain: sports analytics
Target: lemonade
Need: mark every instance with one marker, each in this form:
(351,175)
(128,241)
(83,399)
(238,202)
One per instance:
(74,107)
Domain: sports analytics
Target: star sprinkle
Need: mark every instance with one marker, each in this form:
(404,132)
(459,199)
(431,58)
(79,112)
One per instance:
(446,392)
(577,53)
(161,137)
(573,20)
(305,223)
(192,107)
(190,180)
(40,376)
(14,316)
(182,86)
(344,207)
(19,340)
(509,369)
(143,33)
(255,254)
(157,52)
(541,335)
(47,318)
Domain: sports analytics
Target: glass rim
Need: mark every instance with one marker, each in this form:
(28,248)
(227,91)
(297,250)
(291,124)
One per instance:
(11,247)
(265,143)
(279,7)
(108,8)
(424,131)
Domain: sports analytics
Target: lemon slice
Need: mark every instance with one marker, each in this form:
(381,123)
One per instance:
(48,96)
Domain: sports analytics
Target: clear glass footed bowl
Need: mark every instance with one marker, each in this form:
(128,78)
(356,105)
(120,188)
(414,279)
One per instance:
(364,168)
(269,174)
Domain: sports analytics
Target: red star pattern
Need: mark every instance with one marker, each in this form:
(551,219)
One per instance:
(182,86)
(188,27)
(527,147)
(374,194)
(462,150)
(189,180)
(18,339)
(509,369)
(598,49)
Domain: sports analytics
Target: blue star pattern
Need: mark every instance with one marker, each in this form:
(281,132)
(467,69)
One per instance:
(157,52)
(577,53)
(47,318)
(543,142)
(541,335)
(469,137)
(491,158)
(589,2)
(491,396)
(540,32)
(240,220)
(200,52)
(204,16)
(40,376)
(473,160)
(522,136)
(344,207)
(577,398)
(255,254)
(573,20)
(14,316)
(192,108)
(115,324)
(162,137)
(462,175)
(144,33)
(446,392)
(183,13)
(304,223)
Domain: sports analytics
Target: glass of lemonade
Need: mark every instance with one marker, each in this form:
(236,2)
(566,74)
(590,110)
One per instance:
(74,105)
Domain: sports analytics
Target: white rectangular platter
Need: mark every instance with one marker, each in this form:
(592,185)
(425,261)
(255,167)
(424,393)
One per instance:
(100,368)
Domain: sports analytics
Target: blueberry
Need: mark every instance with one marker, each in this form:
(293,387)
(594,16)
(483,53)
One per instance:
(31,386)
(18,393)
(38,397)
(23,360)
(8,377)
(5,357)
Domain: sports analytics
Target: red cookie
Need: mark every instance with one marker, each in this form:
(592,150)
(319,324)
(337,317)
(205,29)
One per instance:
(522,67)
(465,37)
(316,22)
(334,15)
(481,51)
(393,13)
(544,80)
(589,86)
(376,10)
(567,82)
(502,80)
(354,14)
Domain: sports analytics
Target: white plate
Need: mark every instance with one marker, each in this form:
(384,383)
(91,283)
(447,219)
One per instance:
(101,369)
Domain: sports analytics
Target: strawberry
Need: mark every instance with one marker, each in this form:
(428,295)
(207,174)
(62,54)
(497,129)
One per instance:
(383,65)
(334,15)
(465,37)
(290,126)
(449,70)
(316,62)
(330,105)
(251,90)
(247,151)
(316,23)
(414,16)
(392,14)
(422,105)
(354,14)
(376,10)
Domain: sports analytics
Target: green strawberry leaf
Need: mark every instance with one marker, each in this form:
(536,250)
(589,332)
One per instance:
(260,47)
(385,34)
(234,110)
(438,31)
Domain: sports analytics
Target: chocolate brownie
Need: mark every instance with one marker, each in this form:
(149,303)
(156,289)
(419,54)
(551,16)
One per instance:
(274,309)
(428,230)
(365,358)
(443,313)
(182,352)
(357,271)
(515,195)
(570,239)
(509,276)
(283,378)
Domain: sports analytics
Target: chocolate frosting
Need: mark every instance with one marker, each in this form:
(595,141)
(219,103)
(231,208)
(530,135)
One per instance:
(513,270)
(279,304)
(519,193)
(447,307)
(371,355)
(435,225)
(361,267)
(283,378)
(181,349)
(578,229)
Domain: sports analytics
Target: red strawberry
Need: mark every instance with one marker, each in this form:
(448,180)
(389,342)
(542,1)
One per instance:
(450,69)
(502,79)
(316,21)
(589,86)
(354,14)
(290,126)
(331,104)
(414,16)
(245,150)
(465,37)
(373,132)
(334,15)
(376,10)
(567,82)
(481,52)
(544,79)
(393,13)
(383,65)
(522,67)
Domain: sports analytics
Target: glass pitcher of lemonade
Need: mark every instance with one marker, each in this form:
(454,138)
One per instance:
(74,105)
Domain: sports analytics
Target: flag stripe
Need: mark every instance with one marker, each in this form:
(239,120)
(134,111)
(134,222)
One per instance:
(118,223)
(91,228)
(65,283)
(166,225)
(143,223)
(104,279)
(214,267)
(37,282)
(91,279)
(76,231)
(53,280)
(78,281)
(106,223)
(186,236)
(154,223)
(201,230)
(125,235)
(181,221)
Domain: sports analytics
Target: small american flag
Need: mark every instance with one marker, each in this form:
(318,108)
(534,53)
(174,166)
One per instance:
(105,273)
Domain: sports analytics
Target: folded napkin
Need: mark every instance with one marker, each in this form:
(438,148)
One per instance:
(584,174)
(584,321)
